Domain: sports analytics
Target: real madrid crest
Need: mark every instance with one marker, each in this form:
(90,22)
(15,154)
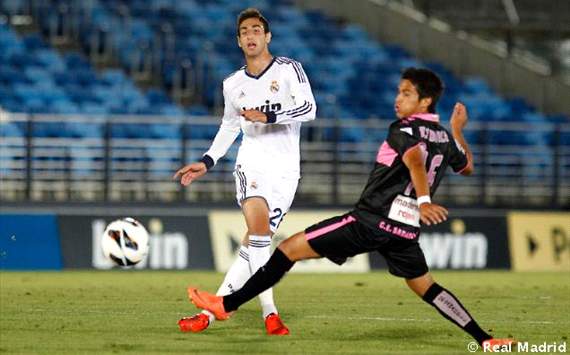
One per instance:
(274,86)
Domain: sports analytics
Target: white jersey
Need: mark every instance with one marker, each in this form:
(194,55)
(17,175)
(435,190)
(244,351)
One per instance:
(283,92)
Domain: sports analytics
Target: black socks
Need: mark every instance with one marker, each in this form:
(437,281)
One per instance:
(267,276)
(450,307)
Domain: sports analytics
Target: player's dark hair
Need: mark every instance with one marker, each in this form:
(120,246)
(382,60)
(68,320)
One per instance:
(427,83)
(252,12)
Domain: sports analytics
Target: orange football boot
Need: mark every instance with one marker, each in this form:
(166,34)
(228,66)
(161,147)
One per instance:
(209,302)
(194,324)
(275,326)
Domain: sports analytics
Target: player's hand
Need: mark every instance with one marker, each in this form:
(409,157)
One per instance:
(190,173)
(254,116)
(459,117)
(430,213)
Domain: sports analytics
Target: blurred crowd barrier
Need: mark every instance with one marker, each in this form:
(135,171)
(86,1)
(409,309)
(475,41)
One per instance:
(132,159)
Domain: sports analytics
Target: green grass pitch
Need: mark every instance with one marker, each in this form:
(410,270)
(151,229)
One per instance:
(135,312)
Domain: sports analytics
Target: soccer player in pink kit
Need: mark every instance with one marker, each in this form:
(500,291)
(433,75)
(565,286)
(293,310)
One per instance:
(396,199)
(267,100)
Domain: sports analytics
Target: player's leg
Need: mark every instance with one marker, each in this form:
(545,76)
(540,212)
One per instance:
(291,250)
(336,238)
(268,198)
(256,213)
(406,259)
(449,306)
(296,247)
(239,271)
(236,276)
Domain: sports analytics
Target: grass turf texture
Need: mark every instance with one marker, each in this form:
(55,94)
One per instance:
(136,312)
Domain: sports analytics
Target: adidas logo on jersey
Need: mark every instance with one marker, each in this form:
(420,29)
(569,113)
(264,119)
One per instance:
(268,107)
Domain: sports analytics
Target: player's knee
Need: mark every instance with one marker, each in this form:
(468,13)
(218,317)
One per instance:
(420,284)
(256,215)
(287,248)
(295,247)
(258,226)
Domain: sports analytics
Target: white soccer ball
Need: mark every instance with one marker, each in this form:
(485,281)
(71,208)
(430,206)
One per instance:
(125,242)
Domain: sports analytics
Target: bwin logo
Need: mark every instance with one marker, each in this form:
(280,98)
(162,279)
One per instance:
(268,107)
(455,250)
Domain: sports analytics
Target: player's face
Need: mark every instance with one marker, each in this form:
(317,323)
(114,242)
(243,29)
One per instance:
(408,100)
(252,38)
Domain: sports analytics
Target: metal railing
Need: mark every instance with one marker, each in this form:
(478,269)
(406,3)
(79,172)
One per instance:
(337,156)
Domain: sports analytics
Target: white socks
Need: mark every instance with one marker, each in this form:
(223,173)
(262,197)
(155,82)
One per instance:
(259,253)
(235,278)
(248,261)
(237,275)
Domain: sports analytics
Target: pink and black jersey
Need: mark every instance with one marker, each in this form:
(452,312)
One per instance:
(389,201)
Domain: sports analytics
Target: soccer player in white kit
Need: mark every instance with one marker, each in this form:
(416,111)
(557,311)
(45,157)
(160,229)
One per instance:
(267,99)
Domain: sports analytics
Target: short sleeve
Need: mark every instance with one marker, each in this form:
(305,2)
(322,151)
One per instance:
(401,137)
(457,157)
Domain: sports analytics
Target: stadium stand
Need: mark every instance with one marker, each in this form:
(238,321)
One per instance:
(354,77)
(202,32)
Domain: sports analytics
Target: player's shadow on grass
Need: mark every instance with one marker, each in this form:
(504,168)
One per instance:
(247,325)
(382,334)
(420,336)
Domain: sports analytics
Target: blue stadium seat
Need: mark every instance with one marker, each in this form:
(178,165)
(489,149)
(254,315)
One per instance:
(201,131)
(8,129)
(165,131)
(198,110)
(359,74)
(64,107)
(477,86)
(94,109)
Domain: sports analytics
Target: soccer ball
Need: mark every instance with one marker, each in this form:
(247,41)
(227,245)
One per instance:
(125,242)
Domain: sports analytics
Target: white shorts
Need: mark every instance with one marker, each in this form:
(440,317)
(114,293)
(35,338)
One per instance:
(277,190)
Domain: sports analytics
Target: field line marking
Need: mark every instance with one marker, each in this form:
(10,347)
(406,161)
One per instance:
(418,320)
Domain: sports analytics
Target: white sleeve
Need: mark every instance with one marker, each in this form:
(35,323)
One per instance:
(304,108)
(227,133)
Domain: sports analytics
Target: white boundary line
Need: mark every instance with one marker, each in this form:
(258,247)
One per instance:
(419,320)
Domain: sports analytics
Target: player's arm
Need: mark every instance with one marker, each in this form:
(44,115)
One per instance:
(305,108)
(458,122)
(430,213)
(227,134)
